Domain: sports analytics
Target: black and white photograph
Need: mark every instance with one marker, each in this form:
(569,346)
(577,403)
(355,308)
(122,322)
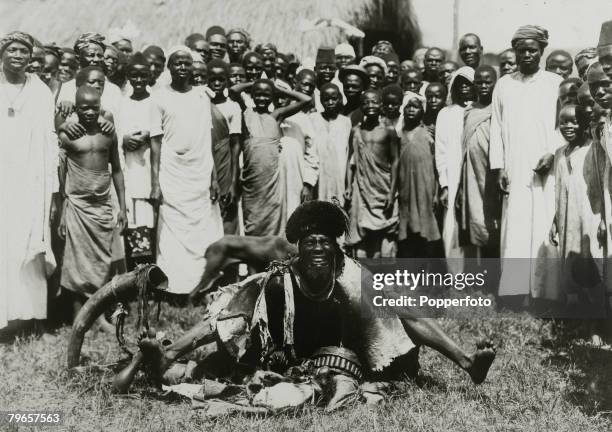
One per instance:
(306,215)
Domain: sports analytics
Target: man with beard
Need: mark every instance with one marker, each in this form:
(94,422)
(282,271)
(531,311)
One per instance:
(470,50)
(560,62)
(278,319)
(215,36)
(354,81)
(238,42)
(522,146)
(89,49)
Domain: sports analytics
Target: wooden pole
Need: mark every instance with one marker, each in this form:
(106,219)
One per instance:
(455,29)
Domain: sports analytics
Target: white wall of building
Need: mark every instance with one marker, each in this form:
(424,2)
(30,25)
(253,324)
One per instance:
(572,24)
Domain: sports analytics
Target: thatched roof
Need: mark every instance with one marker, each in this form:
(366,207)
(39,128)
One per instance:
(167,22)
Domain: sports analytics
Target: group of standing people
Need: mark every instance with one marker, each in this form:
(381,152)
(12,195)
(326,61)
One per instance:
(430,159)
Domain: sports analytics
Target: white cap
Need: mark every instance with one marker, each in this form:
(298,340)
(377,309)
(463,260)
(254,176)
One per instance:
(345,49)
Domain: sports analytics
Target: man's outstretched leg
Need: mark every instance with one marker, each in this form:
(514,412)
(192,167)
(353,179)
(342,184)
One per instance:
(426,331)
(158,358)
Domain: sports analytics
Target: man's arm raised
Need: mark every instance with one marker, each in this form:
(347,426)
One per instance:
(295,107)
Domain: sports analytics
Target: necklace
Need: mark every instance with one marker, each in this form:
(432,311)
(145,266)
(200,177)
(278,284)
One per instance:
(11,102)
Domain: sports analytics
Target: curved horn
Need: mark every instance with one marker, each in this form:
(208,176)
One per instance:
(103,299)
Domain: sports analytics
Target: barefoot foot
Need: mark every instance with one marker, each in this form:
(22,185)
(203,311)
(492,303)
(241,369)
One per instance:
(154,357)
(481,361)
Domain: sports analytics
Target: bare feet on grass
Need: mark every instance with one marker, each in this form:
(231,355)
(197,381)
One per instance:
(154,356)
(481,361)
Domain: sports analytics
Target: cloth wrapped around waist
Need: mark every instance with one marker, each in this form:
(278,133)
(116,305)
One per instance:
(89,221)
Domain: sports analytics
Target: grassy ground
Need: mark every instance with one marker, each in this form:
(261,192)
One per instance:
(536,384)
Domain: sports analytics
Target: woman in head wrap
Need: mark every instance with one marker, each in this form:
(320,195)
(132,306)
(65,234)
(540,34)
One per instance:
(448,152)
(89,48)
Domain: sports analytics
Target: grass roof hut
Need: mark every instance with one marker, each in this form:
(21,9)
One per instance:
(167,22)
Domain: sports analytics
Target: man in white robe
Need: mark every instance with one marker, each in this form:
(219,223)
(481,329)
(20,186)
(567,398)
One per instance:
(523,142)
(182,165)
(27,177)
(448,156)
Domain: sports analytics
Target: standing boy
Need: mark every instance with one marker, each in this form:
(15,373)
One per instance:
(371,182)
(87,221)
(331,141)
(226,132)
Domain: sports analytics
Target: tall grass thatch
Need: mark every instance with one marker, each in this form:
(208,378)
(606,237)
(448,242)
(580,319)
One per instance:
(167,22)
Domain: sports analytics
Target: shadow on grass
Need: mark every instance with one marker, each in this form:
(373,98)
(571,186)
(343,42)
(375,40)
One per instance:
(589,372)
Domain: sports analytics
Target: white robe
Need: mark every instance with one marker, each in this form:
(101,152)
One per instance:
(28,175)
(448,156)
(133,116)
(522,131)
(331,141)
(188,220)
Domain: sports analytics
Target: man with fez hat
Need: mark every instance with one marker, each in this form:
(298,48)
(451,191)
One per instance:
(325,67)
(281,317)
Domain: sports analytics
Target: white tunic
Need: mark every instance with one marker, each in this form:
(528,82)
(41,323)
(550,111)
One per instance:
(448,156)
(133,116)
(188,220)
(28,174)
(522,131)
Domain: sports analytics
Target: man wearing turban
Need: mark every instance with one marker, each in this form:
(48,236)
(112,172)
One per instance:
(89,48)
(28,168)
(523,141)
